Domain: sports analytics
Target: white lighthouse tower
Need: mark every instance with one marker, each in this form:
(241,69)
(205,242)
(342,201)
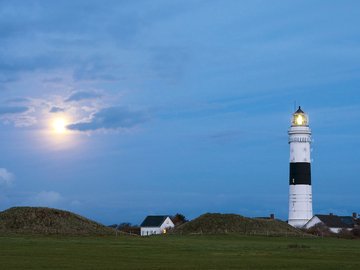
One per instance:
(300,194)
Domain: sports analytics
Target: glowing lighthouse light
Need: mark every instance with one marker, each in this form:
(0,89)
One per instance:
(299,120)
(300,192)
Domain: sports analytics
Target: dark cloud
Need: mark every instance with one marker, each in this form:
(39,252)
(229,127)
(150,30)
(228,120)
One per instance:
(18,100)
(112,118)
(56,109)
(81,95)
(49,34)
(13,109)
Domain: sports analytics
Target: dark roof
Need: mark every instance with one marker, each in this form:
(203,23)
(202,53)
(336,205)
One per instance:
(348,220)
(299,110)
(153,221)
(333,221)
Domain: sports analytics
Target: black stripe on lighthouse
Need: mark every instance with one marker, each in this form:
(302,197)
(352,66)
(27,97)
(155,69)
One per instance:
(300,173)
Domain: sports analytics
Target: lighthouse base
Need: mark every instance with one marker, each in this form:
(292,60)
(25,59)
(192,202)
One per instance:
(298,223)
(300,205)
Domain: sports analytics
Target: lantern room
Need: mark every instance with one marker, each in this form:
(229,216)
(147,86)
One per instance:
(299,118)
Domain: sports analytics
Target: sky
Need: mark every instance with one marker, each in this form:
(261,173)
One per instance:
(121,109)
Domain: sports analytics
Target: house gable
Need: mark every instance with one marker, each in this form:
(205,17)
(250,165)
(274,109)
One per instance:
(167,224)
(312,222)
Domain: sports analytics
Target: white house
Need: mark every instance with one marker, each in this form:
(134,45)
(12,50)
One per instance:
(333,222)
(156,225)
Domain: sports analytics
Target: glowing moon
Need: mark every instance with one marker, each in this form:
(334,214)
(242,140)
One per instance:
(59,125)
(57,134)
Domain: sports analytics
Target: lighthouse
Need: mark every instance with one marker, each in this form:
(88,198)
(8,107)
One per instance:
(300,194)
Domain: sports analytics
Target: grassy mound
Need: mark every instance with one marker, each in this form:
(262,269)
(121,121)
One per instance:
(231,223)
(41,220)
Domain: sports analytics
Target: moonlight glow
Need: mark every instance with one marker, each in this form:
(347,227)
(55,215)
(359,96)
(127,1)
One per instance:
(59,125)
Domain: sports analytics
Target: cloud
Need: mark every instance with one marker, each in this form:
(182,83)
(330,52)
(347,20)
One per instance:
(18,100)
(23,121)
(13,109)
(82,95)
(47,198)
(51,199)
(20,116)
(112,118)
(226,136)
(56,109)
(6,177)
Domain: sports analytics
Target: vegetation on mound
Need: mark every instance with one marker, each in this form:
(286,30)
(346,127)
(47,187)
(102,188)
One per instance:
(41,220)
(231,223)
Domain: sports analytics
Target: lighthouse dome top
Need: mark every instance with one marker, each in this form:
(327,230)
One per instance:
(299,118)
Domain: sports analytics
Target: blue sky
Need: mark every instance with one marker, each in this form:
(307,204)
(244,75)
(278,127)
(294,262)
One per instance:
(176,106)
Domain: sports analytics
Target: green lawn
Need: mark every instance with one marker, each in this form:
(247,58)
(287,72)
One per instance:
(178,252)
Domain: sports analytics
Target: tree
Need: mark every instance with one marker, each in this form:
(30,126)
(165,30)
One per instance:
(124,226)
(178,219)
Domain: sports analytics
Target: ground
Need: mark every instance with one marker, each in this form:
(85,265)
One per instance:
(178,252)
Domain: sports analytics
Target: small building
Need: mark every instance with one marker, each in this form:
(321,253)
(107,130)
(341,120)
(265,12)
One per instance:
(333,222)
(156,225)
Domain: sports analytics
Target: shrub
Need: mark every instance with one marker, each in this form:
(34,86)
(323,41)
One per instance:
(356,232)
(319,230)
(344,233)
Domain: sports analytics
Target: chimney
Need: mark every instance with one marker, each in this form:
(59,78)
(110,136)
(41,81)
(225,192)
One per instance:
(272,216)
(354,215)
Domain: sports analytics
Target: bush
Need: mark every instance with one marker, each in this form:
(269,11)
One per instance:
(344,233)
(319,230)
(356,232)
(128,228)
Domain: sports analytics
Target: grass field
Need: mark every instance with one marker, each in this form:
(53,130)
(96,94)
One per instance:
(178,252)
